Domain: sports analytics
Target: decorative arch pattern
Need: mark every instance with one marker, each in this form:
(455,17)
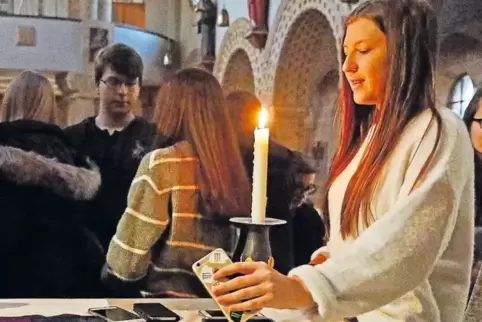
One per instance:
(236,55)
(238,75)
(288,13)
(292,75)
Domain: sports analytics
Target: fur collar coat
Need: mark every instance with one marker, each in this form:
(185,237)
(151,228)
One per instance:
(46,248)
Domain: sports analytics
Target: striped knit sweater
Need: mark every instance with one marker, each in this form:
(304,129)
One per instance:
(161,233)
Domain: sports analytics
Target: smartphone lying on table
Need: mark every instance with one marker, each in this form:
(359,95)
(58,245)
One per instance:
(155,312)
(218,316)
(115,314)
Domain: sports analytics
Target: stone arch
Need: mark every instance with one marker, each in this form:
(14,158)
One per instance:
(236,51)
(238,74)
(294,75)
(287,14)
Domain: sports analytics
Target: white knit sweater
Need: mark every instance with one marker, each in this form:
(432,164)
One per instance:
(413,263)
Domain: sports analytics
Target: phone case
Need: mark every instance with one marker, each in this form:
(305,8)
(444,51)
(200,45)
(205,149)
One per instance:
(94,311)
(151,312)
(207,317)
(205,269)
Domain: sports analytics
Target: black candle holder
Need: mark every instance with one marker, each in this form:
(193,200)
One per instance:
(257,247)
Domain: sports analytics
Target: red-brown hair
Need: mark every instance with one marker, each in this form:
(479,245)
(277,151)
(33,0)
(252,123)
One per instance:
(410,27)
(191,107)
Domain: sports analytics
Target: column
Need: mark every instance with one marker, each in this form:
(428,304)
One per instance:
(94,9)
(80,9)
(104,12)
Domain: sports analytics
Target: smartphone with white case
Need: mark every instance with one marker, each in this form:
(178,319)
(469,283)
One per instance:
(205,268)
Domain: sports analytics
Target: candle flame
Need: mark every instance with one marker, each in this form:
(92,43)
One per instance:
(263,118)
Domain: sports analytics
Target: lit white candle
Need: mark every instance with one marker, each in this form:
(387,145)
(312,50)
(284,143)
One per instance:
(260,169)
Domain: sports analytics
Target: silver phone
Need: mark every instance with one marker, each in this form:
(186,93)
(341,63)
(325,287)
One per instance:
(115,314)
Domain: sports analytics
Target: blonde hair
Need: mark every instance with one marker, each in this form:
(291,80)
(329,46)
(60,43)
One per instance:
(30,96)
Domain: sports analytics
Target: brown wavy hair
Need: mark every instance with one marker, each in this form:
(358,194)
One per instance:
(191,107)
(30,96)
(410,27)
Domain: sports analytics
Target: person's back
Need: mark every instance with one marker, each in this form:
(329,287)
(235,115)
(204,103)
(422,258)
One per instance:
(183,196)
(191,234)
(47,251)
(47,248)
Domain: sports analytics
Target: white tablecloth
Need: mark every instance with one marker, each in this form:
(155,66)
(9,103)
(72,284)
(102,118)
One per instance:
(187,309)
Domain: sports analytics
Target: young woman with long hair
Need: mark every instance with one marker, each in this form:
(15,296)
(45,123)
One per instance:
(399,199)
(182,196)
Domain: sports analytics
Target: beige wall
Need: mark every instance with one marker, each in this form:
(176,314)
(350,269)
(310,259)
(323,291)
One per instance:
(174,19)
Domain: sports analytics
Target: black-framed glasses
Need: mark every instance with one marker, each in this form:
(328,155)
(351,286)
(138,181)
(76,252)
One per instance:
(478,121)
(115,83)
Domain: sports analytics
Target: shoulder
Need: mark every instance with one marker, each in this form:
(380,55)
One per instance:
(79,126)
(453,150)
(43,138)
(142,125)
(424,128)
(172,156)
(76,133)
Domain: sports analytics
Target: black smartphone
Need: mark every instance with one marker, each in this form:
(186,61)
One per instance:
(115,314)
(218,316)
(155,312)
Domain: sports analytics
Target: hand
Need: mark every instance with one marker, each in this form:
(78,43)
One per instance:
(320,255)
(261,286)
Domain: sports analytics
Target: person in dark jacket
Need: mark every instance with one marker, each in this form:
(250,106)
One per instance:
(473,121)
(308,227)
(46,250)
(286,168)
(115,139)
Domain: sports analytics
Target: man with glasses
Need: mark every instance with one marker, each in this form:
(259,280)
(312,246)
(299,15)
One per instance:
(115,139)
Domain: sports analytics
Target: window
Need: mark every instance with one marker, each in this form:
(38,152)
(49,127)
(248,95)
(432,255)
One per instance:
(461,95)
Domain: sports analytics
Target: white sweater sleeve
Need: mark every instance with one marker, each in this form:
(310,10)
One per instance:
(397,252)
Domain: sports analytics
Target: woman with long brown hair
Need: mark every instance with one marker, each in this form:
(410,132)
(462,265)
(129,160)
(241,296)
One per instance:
(399,199)
(182,196)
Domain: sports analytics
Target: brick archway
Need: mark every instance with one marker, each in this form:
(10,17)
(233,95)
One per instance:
(238,75)
(301,50)
(288,13)
(237,59)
